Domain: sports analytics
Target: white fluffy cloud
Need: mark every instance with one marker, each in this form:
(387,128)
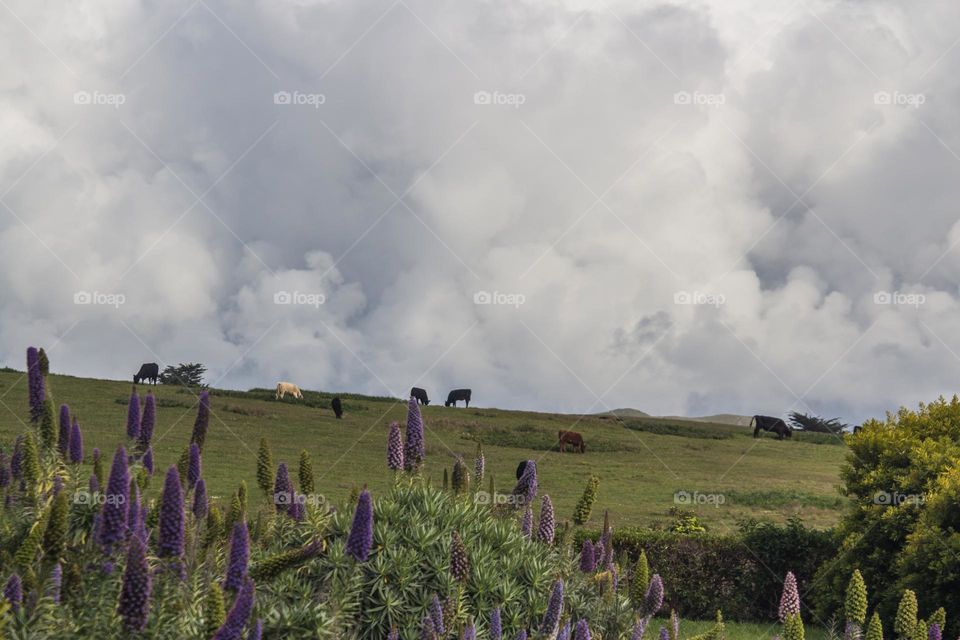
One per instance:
(782,163)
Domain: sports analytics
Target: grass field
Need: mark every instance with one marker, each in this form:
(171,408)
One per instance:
(642,462)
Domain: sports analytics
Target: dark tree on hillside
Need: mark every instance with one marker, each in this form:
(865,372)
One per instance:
(816,423)
(186,375)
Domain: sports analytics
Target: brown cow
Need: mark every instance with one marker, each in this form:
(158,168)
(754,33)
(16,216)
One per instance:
(574,438)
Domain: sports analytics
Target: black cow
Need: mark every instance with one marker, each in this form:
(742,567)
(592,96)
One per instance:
(420,395)
(858,428)
(337,407)
(521,468)
(456,395)
(148,371)
(767,423)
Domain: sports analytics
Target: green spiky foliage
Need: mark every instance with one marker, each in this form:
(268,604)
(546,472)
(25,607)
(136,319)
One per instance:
(939,617)
(28,549)
(48,427)
(581,513)
(214,610)
(716,632)
(446,479)
(44,362)
(855,604)
(236,513)
(55,533)
(905,624)
(793,627)
(874,628)
(213,527)
(98,467)
(265,467)
(273,566)
(30,464)
(460,480)
(920,631)
(305,474)
(640,581)
(182,465)
(491,486)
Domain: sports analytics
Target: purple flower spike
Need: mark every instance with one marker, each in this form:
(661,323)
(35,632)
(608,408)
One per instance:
(202,422)
(588,563)
(639,629)
(526,487)
(583,631)
(664,634)
(564,632)
(63,439)
(193,466)
(470,632)
(436,613)
(427,629)
(545,529)
(526,523)
(653,599)
(551,619)
(522,635)
(147,421)
(133,512)
(360,540)
(134,603)
(200,504)
(496,626)
(170,539)
(790,599)
(114,514)
(239,557)
(934,632)
(16,458)
(13,592)
(4,470)
(282,489)
(414,451)
(56,581)
(395,448)
(257,632)
(297,507)
(147,460)
(76,443)
(394,634)
(133,415)
(93,485)
(239,614)
(35,386)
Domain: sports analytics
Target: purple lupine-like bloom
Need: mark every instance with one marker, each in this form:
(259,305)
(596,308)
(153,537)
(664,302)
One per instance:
(522,635)
(282,489)
(114,514)
(790,598)
(239,614)
(134,603)
(16,458)
(564,632)
(583,631)
(36,393)
(56,581)
(75,447)
(496,626)
(639,629)
(436,614)
(469,632)
(202,422)
(395,448)
(551,619)
(239,557)
(4,470)
(526,523)
(614,576)
(147,421)
(526,487)
(664,634)
(934,632)
(587,562)
(63,437)
(13,592)
(170,537)
(257,632)
(675,624)
(133,415)
(545,529)
(200,504)
(193,466)
(414,450)
(394,634)
(133,512)
(93,485)
(653,599)
(427,629)
(147,460)
(360,540)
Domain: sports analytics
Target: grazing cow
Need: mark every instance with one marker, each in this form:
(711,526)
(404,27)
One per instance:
(456,395)
(148,371)
(283,388)
(767,423)
(571,437)
(420,395)
(337,407)
(858,429)
(521,468)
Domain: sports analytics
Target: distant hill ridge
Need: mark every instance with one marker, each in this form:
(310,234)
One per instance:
(719,418)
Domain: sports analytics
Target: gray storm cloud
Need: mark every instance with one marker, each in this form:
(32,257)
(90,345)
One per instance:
(687,208)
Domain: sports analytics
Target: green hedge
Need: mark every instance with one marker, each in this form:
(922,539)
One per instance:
(742,574)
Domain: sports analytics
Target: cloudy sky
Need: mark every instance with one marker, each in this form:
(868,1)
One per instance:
(683,207)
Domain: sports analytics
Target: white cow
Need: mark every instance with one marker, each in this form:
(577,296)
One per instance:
(284,388)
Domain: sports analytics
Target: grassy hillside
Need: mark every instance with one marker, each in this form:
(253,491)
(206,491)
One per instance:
(641,461)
